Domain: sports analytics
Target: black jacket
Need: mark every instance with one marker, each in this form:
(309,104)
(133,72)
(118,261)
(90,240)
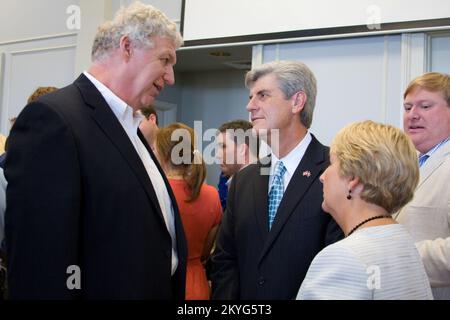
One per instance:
(251,262)
(78,194)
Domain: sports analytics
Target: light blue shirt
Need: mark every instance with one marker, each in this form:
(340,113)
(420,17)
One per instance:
(423,157)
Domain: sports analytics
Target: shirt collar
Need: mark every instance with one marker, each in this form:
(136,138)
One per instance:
(121,110)
(435,148)
(293,158)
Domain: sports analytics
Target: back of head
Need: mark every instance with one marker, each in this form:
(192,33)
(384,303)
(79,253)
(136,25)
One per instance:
(433,82)
(384,159)
(241,132)
(241,129)
(235,125)
(40,91)
(148,111)
(139,22)
(293,76)
(175,145)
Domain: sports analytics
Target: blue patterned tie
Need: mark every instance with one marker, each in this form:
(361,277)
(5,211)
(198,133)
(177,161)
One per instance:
(276,191)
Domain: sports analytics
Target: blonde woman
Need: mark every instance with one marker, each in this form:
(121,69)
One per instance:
(373,173)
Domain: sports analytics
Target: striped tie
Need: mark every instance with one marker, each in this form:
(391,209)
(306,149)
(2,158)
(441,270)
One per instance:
(276,191)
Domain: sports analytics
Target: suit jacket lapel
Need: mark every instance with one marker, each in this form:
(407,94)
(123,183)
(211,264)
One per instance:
(112,128)
(308,170)
(261,197)
(434,162)
(180,236)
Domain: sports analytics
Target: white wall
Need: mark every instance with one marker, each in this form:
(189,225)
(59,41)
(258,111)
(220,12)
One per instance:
(357,79)
(213,97)
(93,14)
(37,48)
(22,19)
(47,62)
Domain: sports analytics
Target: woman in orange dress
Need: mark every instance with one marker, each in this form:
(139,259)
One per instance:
(198,202)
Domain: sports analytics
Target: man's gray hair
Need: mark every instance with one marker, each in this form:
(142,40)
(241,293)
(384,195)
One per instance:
(139,22)
(293,76)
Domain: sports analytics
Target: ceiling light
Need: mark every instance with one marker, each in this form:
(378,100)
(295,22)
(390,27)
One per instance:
(220,54)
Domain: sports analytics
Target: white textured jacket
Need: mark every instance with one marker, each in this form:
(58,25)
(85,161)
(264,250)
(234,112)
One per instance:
(427,218)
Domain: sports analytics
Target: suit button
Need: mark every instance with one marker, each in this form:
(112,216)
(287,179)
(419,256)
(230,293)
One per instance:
(261,281)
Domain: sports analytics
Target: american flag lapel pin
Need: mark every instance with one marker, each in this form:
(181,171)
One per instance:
(307,173)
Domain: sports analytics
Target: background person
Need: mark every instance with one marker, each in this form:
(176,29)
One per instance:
(222,187)
(149,125)
(426,120)
(237,148)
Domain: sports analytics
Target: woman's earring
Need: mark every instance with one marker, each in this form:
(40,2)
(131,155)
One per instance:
(349,196)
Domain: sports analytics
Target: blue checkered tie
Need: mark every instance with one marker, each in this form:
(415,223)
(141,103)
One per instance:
(276,191)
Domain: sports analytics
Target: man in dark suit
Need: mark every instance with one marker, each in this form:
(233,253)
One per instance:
(90,213)
(274,224)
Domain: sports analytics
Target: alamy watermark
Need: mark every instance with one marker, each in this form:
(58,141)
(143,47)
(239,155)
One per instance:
(73,282)
(73,21)
(373,21)
(208,146)
(374,280)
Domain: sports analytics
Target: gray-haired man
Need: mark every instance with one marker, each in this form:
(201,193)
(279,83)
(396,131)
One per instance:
(90,213)
(274,225)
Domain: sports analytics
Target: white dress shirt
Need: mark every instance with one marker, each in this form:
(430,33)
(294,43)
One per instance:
(130,120)
(290,161)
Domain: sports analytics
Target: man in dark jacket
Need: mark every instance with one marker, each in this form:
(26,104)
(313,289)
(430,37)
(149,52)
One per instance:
(90,213)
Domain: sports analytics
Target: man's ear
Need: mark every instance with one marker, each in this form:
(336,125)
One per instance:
(298,102)
(152,118)
(126,48)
